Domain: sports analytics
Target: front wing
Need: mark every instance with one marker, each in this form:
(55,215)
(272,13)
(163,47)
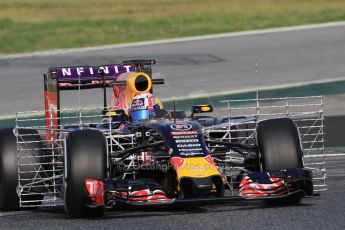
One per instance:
(283,185)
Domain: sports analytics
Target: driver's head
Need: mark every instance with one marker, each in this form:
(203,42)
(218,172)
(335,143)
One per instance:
(143,106)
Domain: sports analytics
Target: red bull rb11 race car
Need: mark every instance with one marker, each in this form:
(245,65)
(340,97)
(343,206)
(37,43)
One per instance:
(136,152)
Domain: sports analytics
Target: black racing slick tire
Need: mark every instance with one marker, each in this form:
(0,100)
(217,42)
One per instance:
(9,200)
(86,158)
(280,148)
(279,144)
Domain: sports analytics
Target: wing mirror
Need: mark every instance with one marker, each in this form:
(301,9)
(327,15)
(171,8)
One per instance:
(201,109)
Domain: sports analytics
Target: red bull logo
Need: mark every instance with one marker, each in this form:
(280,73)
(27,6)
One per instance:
(138,102)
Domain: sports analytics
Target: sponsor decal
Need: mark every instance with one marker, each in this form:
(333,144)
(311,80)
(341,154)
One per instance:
(190,154)
(192,132)
(136,108)
(181,127)
(188,145)
(185,136)
(138,102)
(190,149)
(187,141)
(196,168)
(90,71)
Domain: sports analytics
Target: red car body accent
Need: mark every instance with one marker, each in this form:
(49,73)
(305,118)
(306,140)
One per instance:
(209,159)
(177,162)
(95,189)
(251,189)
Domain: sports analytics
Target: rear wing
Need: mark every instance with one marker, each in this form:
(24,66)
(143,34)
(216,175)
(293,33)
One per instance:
(83,77)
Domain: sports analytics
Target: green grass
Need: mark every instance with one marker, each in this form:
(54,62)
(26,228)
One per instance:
(33,25)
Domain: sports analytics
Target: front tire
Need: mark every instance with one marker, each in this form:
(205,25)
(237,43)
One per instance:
(279,144)
(280,148)
(86,159)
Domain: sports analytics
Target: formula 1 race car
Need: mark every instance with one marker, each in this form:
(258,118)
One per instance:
(94,161)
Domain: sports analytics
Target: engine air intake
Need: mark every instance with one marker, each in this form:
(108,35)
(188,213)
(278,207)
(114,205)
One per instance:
(141,83)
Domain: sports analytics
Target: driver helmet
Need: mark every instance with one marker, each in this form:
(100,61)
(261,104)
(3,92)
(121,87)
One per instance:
(143,106)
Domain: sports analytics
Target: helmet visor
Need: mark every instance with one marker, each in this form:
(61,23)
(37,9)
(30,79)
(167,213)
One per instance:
(139,115)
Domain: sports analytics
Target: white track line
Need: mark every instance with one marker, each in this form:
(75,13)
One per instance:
(4,214)
(174,40)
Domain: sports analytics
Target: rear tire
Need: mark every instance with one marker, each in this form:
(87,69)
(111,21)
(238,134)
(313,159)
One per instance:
(279,144)
(9,200)
(86,159)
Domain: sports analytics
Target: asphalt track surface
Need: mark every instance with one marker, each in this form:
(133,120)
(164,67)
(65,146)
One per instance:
(318,212)
(201,67)
(193,68)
